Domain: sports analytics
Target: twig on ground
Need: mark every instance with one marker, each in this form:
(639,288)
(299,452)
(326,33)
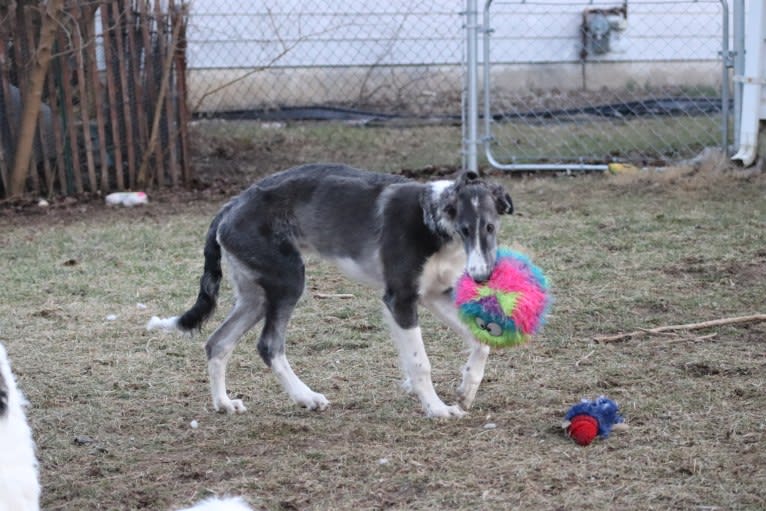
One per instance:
(693,339)
(583,359)
(688,326)
(333,295)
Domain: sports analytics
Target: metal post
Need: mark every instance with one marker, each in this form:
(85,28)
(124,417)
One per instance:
(472,117)
(487,32)
(739,64)
(725,80)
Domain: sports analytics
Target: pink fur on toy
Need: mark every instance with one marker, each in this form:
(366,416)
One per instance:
(510,307)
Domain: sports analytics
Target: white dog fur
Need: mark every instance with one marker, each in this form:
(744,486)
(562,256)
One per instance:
(19,485)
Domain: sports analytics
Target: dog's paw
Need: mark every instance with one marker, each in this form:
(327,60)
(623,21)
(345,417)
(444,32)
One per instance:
(230,406)
(466,393)
(312,401)
(444,411)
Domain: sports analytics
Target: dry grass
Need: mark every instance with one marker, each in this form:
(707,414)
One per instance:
(112,403)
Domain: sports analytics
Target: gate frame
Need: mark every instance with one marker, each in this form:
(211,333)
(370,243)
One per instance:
(471,140)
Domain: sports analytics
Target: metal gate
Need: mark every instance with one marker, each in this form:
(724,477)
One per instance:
(567,84)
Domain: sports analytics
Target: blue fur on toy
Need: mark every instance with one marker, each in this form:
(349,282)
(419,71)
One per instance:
(591,417)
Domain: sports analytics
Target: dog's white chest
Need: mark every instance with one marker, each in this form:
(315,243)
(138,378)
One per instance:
(442,269)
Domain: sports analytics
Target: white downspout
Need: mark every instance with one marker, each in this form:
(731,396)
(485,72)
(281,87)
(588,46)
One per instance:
(754,82)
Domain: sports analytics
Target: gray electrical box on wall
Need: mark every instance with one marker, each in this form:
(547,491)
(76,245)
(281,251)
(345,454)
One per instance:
(600,26)
(598,33)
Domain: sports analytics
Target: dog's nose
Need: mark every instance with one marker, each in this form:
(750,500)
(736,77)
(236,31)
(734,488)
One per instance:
(481,279)
(480,275)
(478,267)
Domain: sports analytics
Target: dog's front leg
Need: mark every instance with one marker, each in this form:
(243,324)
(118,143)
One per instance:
(442,306)
(473,373)
(417,368)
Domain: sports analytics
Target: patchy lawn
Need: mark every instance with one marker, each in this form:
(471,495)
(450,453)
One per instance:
(112,404)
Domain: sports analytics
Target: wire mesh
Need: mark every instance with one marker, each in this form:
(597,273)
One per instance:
(316,58)
(594,81)
(567,81)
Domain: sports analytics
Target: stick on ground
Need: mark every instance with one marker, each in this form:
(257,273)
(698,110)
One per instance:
(688,326)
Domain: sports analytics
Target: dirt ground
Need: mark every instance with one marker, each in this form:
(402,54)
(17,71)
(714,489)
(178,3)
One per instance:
(112,405)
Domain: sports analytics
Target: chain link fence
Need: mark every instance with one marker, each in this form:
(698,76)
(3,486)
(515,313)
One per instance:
(567,81)
(597,81)
(321,59)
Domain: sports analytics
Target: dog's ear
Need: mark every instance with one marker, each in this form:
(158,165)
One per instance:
(503,201)
(448,204)
(439,211)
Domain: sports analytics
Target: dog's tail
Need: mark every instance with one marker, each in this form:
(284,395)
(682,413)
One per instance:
(209,284)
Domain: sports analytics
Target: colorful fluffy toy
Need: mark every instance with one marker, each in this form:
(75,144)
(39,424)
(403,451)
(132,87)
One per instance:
(510,307)
(589,418)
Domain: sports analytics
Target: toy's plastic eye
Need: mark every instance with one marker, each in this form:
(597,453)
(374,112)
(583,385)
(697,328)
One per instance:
(494,329)
(482,324)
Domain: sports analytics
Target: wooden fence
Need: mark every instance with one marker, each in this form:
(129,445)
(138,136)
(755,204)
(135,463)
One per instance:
(113,114)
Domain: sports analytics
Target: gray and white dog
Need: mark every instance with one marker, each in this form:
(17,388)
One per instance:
(410,239)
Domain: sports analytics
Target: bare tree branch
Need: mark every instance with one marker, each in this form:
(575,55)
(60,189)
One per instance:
(286,48)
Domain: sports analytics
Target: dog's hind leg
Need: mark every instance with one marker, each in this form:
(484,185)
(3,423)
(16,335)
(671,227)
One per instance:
(247,311)
(442,306)
(282,294)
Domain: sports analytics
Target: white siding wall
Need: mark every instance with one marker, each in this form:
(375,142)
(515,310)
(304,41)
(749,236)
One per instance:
(376,44)
(291,33)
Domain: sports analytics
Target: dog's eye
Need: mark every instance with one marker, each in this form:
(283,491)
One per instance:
(490,228)
(494,329)
(450,211)
(465,231)
(481,323)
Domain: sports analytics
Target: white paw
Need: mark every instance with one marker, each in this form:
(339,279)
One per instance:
(467,393)
(312,401)
(229,406)
(442,410)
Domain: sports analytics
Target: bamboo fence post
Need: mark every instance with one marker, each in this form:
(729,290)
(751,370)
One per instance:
(112,94)
(58,135)
(31,110)
(166,71)
(5,109)
(127,97)
(172,146)
(77,41)
(96,93)
(183,106)
(21,57)
(159,52)
(150,87)
(69,115)
(134,70)
(25,42)
(41,132)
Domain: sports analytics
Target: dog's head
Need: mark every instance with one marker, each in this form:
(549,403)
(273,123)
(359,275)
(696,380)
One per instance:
(471,209)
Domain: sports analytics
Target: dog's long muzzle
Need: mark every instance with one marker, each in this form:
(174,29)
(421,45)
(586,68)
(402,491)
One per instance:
(479,268)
